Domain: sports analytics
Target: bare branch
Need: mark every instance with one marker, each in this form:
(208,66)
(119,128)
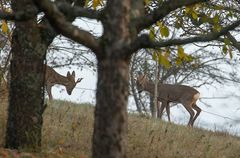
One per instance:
(160,12)
(144,41)
(235,43)
(61,25)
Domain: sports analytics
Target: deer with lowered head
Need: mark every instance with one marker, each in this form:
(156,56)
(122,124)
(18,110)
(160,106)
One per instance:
(167,93)
(52,78)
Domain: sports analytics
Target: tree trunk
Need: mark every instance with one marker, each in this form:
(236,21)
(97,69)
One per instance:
(24,122)
(110,128)
(133,85)
(155,100)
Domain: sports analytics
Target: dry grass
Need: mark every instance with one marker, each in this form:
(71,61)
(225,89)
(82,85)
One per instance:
(68,128)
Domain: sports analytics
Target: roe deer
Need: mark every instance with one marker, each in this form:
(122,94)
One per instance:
(167,93)
(52,78)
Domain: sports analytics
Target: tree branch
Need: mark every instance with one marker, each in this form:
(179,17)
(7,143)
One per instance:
(19,16)
(61,25)
(75,11)
(7,16)
(144,41)
(164,9)
(235,43)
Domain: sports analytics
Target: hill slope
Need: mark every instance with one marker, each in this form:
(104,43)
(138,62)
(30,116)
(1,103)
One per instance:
(68,129)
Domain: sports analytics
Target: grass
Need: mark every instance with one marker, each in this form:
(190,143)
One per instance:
(68,129)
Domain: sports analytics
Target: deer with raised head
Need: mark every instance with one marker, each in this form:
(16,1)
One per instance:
(167,93)
(52,78)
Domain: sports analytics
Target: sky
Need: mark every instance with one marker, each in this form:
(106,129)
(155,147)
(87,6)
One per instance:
(221,114)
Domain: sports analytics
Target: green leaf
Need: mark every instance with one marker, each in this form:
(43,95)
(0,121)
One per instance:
(188,58)
(152,34)
(204,19)
(188,10)
(164,31)
(217,28)
(194,15)
(163,60)
(181,53)
(225,49)
(154,56)
(216,19)
(226,41)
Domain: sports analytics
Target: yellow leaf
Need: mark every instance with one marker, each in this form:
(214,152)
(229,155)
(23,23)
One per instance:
(96,3)
(164,31)
(86,3)
(4,26)
(167,53)
(163,60)
(159,24)
(178,61)
(181,53)
(188,10)
(194,15)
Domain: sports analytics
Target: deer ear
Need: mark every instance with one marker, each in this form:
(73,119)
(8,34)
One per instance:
(68,74)
(73,74)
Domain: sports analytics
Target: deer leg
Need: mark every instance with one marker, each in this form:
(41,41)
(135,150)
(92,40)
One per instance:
(49,92)
(168,111)
(195,107)
(158,109)
(163,105)
(191,112)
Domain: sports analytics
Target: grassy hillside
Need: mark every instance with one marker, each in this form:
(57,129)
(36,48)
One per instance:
(68,129)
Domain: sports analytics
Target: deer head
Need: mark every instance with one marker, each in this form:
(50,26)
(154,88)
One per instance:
(141,82)
(71,84)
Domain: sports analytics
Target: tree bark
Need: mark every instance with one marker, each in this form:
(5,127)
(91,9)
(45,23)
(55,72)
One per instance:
(24,122)
(110,128)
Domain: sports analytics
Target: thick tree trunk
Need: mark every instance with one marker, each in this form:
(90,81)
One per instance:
(110,128)
(26,100)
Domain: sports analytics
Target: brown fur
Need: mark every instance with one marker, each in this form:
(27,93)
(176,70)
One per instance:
(52,78)
(167,93)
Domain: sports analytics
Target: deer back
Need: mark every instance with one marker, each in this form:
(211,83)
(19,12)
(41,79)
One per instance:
(177,93)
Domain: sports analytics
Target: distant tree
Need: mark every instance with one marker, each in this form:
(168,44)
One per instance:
(206,68)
